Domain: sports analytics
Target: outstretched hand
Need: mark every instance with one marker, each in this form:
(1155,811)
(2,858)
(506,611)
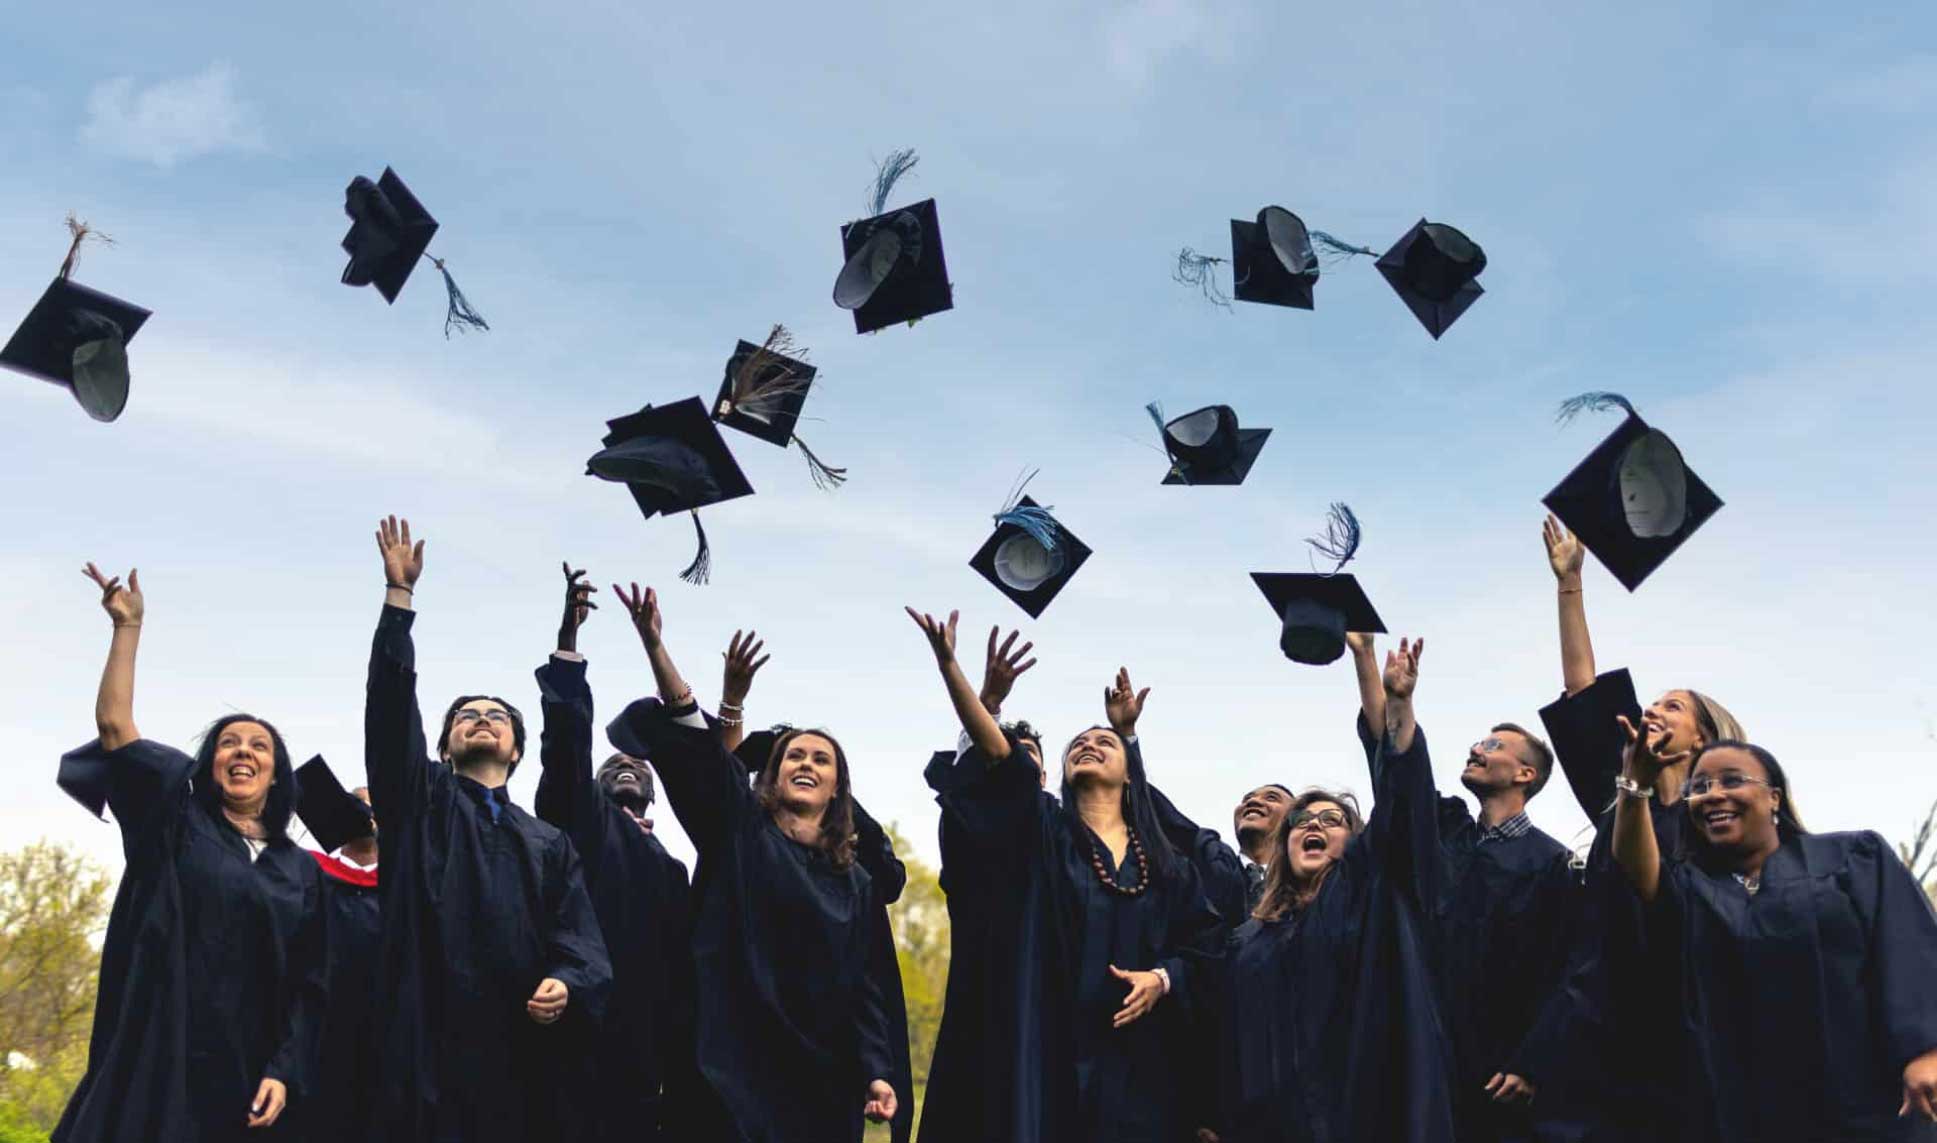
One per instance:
(941,636)
(1642,761)
(1402,668)
(643,606)
(1002,667)
(403,562)
(1123,704)
(743,661)
(882,1104)
(124,605)
(1564,552)
(1361,643)
(578,604)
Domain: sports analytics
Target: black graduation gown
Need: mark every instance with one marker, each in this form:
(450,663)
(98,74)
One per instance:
(874,852)
(1606,1091)
(792,1025)
(1503,934)
(1041,1063)
(347,1076)
(1800,1005)
(1332,1031)
(213,972)
(639,893)
(476,913)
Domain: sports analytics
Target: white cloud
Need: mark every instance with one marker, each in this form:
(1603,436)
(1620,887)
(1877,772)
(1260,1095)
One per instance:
(173,119)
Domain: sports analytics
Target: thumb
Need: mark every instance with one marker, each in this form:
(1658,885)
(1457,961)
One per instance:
(1119,973)
(1142,694)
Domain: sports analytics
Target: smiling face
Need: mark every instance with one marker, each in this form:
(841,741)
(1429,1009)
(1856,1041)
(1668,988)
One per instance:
(1316,839)
(808,773)
(482,731)
(627,781)
(1500,761)
(244,766)
(1096,756)
(1671,723)
(1741,820)
(1259,813)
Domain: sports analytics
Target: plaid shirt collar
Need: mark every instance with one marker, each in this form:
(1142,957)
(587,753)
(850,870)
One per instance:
(1513,827)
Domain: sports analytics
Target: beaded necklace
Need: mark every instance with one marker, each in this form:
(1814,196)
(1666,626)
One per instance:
(1109,882)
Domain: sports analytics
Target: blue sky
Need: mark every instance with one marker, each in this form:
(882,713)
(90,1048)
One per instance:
(1721,211)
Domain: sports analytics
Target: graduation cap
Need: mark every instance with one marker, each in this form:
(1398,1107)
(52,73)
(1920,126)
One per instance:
(756,747)
(1275,260)
(1633,501)
(389,231)
(1318,608)
(1207,446)
(674,460)
(1029,557)
(77,337)
(334,816)
(1432,268)
(762,395)
(894,270)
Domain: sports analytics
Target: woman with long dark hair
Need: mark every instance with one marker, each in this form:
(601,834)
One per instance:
(1796,972)
(213,970)
(1106,929)
(793,1030)
(1331,1029)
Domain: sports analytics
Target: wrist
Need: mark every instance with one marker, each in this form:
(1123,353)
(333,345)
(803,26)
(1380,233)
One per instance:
(1568,582)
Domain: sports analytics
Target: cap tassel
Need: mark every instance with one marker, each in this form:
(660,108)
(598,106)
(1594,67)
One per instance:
(1597,402)
(460,316)
(1033,519)
(81,232)
(1338,250)
(897,164)
(1200,271)
(1341,539)
(1156,411)
(701,569)
(827,478)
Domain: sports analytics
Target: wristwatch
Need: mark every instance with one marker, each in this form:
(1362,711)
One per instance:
(1628,787)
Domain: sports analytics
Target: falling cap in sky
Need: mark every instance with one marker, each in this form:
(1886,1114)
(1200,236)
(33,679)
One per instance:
(673,459)
(1030,557)
(1208,446)
(1634,500)
(77,337)
(389,232)
(894,270)
(1432,268)
(763,392)
(1316,609)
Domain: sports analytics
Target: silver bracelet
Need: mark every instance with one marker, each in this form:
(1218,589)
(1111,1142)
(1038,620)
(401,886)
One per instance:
(725,721)
(1629,788)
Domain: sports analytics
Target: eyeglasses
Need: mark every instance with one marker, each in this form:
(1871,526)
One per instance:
(494,717)
(1729,783)
(1329,819)
(1489,746)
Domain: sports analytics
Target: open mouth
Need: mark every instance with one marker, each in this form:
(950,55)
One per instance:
(625,778)
(1717,819)
(241,772)
(1087,758)
(1250,812)
(1312,843)
(804,781)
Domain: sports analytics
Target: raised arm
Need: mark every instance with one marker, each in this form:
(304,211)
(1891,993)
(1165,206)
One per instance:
(567,793)
(1635,848)
(394,753)
(1565,555)
(1404,828)
(1401,676)
(743,661)
(983,730)
(1371,683)
(1001,666)
(114,702)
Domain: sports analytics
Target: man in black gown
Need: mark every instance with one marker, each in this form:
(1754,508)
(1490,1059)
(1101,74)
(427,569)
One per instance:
(639,892)
(1255,822)
(489,939)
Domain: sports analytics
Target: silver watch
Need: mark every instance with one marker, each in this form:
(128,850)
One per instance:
(1628,787)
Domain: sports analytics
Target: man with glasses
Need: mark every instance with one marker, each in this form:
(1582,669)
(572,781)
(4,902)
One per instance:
(1505,912)
(491,952)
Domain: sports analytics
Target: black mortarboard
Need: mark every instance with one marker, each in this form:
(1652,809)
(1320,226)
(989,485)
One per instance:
(673,459)
(334,816)
(1207,446)
(1029,557)
(1272,260)
(1318,608)
(1633,501)
(762,395)
(894,269)
(757,746)
(1432,268)
(78,338)
(389,231)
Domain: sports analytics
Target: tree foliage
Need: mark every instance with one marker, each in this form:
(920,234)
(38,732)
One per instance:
(53,910)
(920,921)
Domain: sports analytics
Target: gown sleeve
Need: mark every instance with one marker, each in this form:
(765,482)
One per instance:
(875,852)
(705,784)
(297,1061)
(1546,1042)
(568,795)
(141,783)
(394,753)
(1903,937)
(1587,741)
(1403,834)
(992,804)
(1220,872)
(575,955)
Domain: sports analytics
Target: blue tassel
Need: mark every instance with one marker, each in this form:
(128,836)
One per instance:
(1200,272)
(1156,412)
(1341,539)
(897,164)
(1598,402)
(1033,519)
(460,315)
(1338,248)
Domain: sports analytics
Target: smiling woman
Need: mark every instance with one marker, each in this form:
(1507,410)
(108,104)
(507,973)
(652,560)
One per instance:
(212,980)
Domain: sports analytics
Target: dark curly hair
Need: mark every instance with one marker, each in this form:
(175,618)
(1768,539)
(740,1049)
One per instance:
(282,792)
(837,824)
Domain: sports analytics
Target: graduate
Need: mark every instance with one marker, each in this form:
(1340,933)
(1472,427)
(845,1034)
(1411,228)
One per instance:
(639,893)
(341,822)
(793,1029)
(1797,971)
(1105,927)
(1331,1027)
(213,975)
(1255,822)
(489,938)
(1503,922)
